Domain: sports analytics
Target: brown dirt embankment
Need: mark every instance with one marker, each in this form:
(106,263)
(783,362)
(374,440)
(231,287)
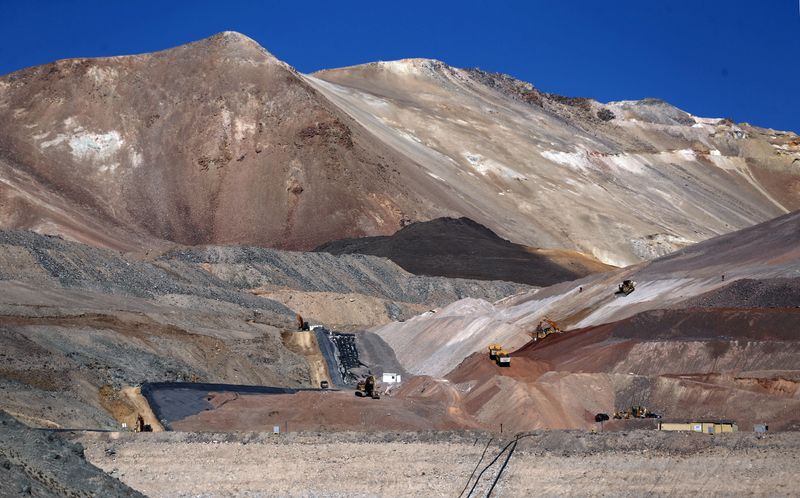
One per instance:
(737,363)
(305,344)
(327,411)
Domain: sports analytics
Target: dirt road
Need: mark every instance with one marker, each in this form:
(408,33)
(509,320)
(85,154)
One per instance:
(554,463)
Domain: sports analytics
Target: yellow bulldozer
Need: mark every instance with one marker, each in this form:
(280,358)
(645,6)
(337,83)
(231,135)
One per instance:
(499,355)
(368,388)
(545,328)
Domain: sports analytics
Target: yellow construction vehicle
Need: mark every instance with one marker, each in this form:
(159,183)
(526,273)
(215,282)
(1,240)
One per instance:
(368,388)
(503,358)
(545,328)
(498,355)
(635,412)
(626,287)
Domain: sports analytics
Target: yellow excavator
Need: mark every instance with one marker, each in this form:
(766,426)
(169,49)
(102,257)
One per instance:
(368,388)
(545,328)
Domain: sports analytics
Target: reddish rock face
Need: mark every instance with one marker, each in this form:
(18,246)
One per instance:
(212,142)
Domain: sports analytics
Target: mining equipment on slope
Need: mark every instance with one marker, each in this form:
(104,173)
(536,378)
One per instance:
(635,412)
(141,426)
(499,355)
(301,324)
(545,328)
(503,358)
(626,287)
(368,387)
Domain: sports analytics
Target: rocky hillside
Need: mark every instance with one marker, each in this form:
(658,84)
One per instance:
(212,142)
(764,252)
(79,324)
(42,464)
(710,331)
(218,142)
(622,181)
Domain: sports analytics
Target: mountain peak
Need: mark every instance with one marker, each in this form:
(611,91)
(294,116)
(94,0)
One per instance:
(229,37)
(233,45)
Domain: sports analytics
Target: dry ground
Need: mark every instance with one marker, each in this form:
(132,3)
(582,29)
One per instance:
(552,463)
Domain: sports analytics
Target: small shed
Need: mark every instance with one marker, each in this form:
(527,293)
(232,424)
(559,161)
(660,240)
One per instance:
(760,428)
(391,378)
(703,426)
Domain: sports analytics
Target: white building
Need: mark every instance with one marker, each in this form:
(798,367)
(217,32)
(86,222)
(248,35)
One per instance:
(391,378)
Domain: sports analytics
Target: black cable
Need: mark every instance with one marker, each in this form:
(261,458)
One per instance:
(477,479)
(476,466)
(516,439)
(502,468)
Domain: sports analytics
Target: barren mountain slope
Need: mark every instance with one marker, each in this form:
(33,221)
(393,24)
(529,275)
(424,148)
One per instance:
(461,248)
(435,343)
(219,142)
(211,142)
(624,181)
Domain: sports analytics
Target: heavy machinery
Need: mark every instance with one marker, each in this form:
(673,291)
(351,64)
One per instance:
(141,426)
(302,325)
(503,358)
(635,412)
(499,355)
(368,387)
(626,287)
(545,328)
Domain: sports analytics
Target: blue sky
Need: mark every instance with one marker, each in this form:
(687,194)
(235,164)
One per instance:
(738,59)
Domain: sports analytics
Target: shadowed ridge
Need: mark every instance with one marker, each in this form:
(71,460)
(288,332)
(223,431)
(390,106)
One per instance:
(463,248)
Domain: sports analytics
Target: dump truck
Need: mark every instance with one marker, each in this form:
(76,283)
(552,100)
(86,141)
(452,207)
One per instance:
(503,358)
(368,388)
(545,328)
(493,349)
(626,287)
